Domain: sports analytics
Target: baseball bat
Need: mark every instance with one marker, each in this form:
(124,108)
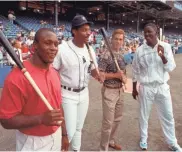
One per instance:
(160,38)
(13,55)
(92,59)
(103,31)
(160,34)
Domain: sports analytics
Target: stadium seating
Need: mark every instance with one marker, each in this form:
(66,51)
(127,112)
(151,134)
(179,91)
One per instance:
(30,23)
(10,30)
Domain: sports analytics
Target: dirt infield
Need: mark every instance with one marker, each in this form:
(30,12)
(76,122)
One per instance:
(128,135)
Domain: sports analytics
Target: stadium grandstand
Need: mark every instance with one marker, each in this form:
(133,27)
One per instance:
(22,19)
(130,14)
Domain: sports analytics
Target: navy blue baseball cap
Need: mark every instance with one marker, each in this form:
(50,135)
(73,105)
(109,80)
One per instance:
(79,20)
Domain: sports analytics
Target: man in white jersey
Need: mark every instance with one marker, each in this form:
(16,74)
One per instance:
(152,62)
(75,67)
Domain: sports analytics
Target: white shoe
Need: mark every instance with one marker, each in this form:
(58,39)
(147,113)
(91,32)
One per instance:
(176,148)
(143,145)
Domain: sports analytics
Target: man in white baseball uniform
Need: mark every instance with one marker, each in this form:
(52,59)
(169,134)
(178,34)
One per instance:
(152,62)
(75,67)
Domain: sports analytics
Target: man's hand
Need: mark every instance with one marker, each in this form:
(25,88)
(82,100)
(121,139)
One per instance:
(99,76)
(65,143)
(135,94)
(124,78)
(160,50)
(119,74)
(52,118)
(94,73)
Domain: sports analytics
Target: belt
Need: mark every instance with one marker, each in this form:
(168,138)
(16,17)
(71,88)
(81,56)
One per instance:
(154,84)
(112,87)
(71,89)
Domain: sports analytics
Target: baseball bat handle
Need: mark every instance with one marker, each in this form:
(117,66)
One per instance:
(36,88)
(117,65)
(118,68)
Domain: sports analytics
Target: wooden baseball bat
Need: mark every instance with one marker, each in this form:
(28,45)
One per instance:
(13,55)
(160,34)
(92,59)
(103,31)
(160,38)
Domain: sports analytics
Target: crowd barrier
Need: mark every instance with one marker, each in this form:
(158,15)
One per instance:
(179,50)
(4,71)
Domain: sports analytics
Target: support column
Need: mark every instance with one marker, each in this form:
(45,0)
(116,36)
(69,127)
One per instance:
(45,6)
(26,5)
(107,17)
(163,23)
(56,13)
(138,22)
(61,7)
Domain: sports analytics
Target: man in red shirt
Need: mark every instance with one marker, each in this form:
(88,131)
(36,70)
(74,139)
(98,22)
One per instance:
(38,129)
